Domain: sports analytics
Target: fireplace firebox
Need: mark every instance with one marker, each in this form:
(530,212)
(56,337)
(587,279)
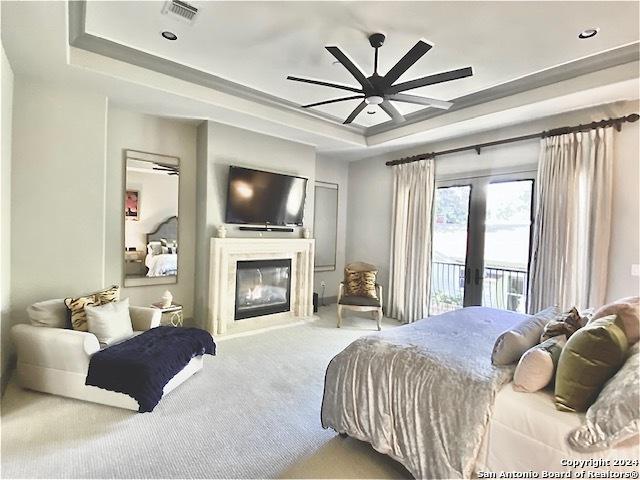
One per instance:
(263,287)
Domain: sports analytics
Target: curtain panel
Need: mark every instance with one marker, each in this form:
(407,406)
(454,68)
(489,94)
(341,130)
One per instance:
(570,247)
(410,267)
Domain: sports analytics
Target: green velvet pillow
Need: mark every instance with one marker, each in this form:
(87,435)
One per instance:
(591,357)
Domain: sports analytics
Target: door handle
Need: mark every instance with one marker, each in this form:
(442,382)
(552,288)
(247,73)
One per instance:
(477,276)
(467,276)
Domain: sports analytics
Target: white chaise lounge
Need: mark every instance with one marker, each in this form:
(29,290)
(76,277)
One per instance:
(56,360)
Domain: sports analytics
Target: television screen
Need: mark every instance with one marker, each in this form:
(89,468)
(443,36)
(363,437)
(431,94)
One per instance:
(261,198)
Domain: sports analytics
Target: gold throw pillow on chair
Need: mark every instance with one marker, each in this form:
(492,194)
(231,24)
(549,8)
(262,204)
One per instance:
(359,283)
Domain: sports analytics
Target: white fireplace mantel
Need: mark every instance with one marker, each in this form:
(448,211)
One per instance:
(226,252)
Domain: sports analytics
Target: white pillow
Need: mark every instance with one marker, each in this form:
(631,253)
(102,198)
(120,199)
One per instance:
(50,313)
(110,322)
(537,366)
(510,346)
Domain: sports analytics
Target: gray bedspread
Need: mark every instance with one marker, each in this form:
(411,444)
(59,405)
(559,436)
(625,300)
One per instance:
(421,393)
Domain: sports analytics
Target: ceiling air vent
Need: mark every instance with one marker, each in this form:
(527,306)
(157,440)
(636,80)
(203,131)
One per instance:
(181,10)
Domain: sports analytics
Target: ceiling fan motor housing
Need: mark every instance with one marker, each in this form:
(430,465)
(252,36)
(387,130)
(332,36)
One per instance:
(377,40)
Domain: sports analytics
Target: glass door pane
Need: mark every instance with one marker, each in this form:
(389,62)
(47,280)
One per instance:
(449,248)
(506,245)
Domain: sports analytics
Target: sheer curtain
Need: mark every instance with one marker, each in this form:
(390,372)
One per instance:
(572,227)
(410,268)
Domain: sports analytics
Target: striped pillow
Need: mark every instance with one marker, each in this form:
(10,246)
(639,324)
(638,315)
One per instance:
(76,305)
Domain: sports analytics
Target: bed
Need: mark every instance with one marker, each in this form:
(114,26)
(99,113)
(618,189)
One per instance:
(427,395)
(162,249)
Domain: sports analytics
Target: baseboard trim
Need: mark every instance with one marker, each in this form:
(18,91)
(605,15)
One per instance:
(329,301)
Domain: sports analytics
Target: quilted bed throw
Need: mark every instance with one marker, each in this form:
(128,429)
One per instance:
(422,393)
(141,366)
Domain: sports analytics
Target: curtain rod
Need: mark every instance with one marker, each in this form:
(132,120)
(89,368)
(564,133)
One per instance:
(615,122)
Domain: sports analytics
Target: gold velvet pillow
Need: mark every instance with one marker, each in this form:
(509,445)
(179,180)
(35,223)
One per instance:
(76,305)
(591,357)
(360,283)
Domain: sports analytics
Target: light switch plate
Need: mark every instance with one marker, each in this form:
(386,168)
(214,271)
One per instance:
(635,270)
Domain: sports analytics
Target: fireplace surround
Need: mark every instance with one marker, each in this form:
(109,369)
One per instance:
(229,256)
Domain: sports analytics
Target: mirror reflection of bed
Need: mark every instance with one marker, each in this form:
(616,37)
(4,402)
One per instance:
(150,218)
(162,250)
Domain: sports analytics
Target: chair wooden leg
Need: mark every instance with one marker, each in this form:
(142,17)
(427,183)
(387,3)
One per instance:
(379,319)
(339,316)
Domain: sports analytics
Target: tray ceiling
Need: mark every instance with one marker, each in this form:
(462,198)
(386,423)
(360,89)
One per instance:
(257,44)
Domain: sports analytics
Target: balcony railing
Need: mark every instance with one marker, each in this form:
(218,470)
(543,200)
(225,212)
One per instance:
(501,288)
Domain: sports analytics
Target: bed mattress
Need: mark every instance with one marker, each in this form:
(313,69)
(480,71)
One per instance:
(526,432)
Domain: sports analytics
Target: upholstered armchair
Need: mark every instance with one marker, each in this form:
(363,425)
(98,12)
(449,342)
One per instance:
(364,300)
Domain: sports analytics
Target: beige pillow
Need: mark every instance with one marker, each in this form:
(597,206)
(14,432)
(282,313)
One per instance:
(110,322)
(77,305)
(50,313)
(511,344)
(537,366)
(628,310)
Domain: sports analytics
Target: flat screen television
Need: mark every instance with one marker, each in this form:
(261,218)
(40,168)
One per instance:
(264,198)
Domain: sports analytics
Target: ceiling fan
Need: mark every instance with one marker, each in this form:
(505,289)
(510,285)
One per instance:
(381,90)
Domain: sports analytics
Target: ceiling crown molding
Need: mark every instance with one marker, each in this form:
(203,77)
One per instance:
(79,38)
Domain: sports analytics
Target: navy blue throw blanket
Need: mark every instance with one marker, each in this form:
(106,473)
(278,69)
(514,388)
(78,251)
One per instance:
(141,366)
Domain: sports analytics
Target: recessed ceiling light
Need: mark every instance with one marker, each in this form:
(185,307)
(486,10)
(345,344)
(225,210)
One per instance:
(588,33)
(169,35)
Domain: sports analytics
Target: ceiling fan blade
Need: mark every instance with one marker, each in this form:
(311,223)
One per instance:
(391,111)
(431,102)
(411,57)
(349,65)
(352,116)
(332,101)
(325,84)
(430,80)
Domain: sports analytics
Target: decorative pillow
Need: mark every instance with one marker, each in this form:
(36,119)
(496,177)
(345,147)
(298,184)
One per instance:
(591,357)
(511,344)
(564,324)
(360,283)
(537,366)
(77,305)
(154,248)
(628,309)
(50,313)
(615,416)
(109,322)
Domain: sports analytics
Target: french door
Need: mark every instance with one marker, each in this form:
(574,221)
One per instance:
(481,242)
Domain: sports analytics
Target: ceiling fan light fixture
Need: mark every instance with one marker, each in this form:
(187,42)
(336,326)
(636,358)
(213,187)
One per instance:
(588,33)
(374,100)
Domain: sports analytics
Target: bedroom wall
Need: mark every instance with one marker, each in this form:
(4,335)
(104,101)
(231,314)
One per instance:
(149,133)
(334,171)
(370,189)
(6,107)
(57,194)
(220,146)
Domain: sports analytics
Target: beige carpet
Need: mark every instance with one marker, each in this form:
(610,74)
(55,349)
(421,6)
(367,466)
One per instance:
(253,412)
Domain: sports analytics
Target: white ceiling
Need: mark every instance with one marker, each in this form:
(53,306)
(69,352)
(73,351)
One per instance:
(257,44)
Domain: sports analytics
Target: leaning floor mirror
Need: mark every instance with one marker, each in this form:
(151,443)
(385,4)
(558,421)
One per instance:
(150,240)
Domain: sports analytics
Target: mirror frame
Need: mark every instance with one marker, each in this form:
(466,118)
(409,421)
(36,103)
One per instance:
(161,159)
